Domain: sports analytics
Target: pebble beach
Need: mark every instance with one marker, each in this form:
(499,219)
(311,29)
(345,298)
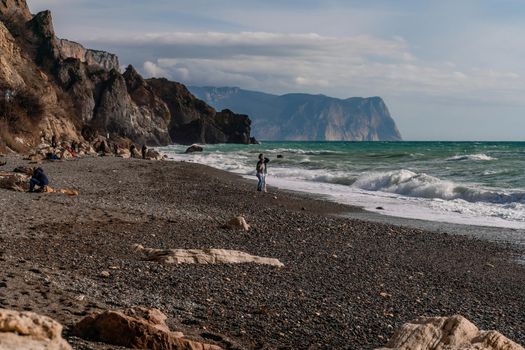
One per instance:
(346,283)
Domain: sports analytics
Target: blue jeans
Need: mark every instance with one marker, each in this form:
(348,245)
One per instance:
(34,182)
(261,186)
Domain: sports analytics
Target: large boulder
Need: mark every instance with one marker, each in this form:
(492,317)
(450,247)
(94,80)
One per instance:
(203,256)
(447,333)
(14,181)
(137,328)
(152,154)
(30,331)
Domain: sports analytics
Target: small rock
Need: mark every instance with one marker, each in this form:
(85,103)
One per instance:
(237,223)
(104,274)
(80,297)
(194,148)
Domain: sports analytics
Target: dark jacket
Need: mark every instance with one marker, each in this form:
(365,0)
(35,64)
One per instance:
(41,177)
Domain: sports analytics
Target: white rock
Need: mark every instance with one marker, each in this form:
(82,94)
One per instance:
(203,256)
(447,333)
(30,331)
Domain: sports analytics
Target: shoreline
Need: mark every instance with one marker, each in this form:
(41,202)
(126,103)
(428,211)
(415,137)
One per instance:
(482,210)
(489,233)
(328,295)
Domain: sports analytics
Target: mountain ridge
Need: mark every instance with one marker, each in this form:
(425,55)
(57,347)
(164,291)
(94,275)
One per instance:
(305,116)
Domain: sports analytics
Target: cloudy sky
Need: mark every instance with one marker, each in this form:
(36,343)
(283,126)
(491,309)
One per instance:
(447,69)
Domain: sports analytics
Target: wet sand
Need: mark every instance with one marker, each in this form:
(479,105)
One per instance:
(347,283)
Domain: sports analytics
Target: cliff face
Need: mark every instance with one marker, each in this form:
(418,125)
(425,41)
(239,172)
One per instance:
(61,88)
(192,119)
(303,117)
(71,49)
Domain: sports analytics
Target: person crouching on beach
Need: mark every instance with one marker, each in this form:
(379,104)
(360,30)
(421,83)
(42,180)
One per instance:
(39,179)
(262,171)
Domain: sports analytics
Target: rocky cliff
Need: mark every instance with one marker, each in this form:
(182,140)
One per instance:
(192,119)
(51,86)
(71,49)
(307,117)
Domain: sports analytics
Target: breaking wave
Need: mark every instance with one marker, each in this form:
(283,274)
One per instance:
(473,157)
(410,184)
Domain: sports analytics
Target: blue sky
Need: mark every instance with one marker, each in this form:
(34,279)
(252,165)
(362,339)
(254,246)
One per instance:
(448,70)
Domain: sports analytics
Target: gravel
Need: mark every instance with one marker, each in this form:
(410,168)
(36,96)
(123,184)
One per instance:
(346,284)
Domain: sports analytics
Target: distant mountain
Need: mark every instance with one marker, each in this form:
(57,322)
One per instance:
(302,117)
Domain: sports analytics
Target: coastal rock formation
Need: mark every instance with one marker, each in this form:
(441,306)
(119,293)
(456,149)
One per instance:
(101,59)
(152,154)
(447,333)
(304,117)
(193,121)
(30,331)
(203,256)
(55,87)
(137,328)
(194,148)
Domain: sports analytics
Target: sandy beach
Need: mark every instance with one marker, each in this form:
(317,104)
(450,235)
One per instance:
(346,283)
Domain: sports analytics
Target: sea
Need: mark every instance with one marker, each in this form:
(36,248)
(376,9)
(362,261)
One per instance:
(472,183)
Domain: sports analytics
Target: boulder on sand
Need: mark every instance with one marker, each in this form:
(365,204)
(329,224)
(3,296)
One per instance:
(137,328)
(237,223)
(14,181)
(30,331)
(203,256)
(447,333)
(194,148)
(152,154)
(124,153)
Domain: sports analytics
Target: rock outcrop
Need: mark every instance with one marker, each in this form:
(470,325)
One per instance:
(447,333)
(194,149)
(30,331)
(306,117)
(193,121)
(137,328)
(101,59)
(61,88)
(203,256)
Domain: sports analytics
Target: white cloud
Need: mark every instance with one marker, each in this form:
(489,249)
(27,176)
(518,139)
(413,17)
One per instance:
(154,70)
(341,66)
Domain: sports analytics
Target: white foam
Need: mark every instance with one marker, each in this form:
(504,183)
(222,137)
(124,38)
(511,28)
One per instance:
(473,157)
(456,211)
(400,193)
(408,183)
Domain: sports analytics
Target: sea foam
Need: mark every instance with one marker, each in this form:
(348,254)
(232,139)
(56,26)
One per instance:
(472,157)
(411,184)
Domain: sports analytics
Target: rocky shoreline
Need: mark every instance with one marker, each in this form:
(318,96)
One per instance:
(345,284)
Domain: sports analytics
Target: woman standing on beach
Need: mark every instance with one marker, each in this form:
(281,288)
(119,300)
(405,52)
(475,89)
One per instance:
(262,171)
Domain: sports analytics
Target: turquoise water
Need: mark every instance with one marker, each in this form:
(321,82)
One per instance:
(455,181)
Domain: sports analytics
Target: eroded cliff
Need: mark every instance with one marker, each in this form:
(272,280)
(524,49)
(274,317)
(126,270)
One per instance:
(52,86)
(305,117)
